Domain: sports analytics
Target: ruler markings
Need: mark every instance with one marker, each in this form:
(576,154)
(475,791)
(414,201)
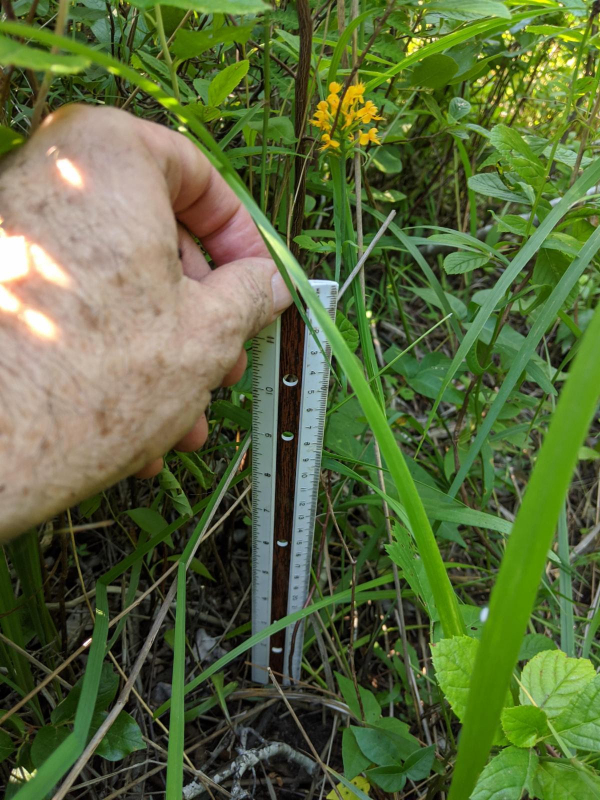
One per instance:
(290,387)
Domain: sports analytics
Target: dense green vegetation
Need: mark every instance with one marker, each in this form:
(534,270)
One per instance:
(455,574)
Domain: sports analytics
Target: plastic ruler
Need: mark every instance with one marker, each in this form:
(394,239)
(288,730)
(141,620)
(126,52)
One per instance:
(289,389)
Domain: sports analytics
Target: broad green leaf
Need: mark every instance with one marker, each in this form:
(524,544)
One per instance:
(461,262)
(107,690)
(191,44)
(524,726)
(425,376)
(19,55)
(490,185)
(418,765)
(46,741)
(208,6)
(534,643)
(515,151)
(552,680)
(370,706)
(459,108)
(556,781)
(7,747)
(148,520)
(468,9)
(386,742)
(454,660)
(348,331)
(354,759)
(512,223)
(225,82)
(278,128)
(507,776)
(9,139)
(550,266)
(390,778)
(387,160)
(434,71)
(122,738)
(579,723)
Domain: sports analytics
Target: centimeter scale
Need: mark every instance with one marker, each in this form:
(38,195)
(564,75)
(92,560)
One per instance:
(289,389)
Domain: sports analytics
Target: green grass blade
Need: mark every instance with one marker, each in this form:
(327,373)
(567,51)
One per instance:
(177,720)
(363,591)
(565,600)
(514,595)
(589,178)
(539,327)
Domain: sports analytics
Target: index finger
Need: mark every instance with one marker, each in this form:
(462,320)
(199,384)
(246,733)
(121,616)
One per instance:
(201,198)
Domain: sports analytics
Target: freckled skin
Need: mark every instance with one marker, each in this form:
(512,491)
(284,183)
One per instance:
(143,331)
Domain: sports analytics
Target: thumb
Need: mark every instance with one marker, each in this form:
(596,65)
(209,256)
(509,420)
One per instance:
(251,290)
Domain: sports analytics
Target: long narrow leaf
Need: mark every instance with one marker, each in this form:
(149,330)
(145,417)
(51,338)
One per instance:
(514,594)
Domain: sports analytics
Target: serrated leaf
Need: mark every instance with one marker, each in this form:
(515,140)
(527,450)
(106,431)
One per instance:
(7,747)
(534,643)
(225,82)
(46,741)
(370,706)
(434,71)
(461,262)
(390,778)
(191,44)
(553,680)
(524,726)
(454,660)
(109,683)
(348,331)
(353,758)
(462,10)
(122,738)
(579,723)
(19,55)
(556,781)
(507,776)
(490,185)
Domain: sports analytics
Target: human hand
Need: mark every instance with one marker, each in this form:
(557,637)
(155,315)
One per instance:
(113,328)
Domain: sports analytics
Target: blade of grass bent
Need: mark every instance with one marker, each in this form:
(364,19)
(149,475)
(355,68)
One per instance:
(589,178)
(514,595)
(541,324)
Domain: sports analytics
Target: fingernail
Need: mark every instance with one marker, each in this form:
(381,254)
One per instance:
(281,295)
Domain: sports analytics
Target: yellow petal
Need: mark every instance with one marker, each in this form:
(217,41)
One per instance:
(335,87)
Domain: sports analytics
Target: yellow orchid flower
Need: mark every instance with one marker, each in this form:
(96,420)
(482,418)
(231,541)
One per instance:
(335,88)
(369,137)
(329,142)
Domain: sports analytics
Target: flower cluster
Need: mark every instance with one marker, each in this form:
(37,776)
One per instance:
(354,113)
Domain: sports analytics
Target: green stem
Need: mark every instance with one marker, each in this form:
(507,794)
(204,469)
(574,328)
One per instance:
(165,51)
